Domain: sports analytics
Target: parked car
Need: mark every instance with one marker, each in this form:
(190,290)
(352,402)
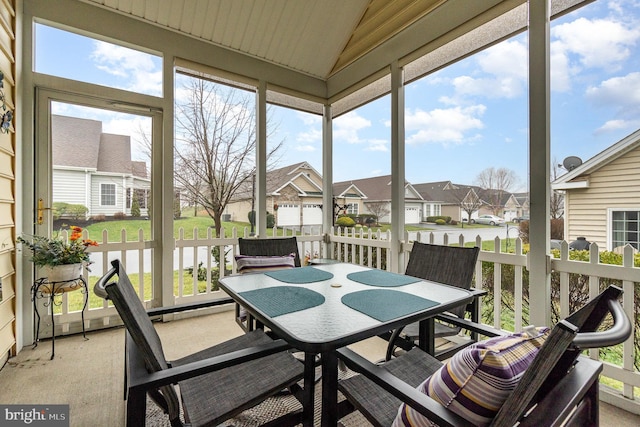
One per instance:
(520,219)
(488,220)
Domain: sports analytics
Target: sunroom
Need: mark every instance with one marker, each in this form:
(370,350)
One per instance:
(320,59)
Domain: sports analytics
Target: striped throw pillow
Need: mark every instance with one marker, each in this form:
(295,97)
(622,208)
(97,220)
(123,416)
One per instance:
(476,381)
(259,264)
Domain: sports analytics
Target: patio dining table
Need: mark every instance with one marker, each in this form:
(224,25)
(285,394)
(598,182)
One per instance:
(318,309)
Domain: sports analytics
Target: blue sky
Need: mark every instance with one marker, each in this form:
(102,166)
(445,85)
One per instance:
(459,121)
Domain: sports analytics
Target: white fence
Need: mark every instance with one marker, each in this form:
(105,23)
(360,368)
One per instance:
(373,249)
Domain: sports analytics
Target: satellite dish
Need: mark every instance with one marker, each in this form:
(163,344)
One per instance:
(571,162)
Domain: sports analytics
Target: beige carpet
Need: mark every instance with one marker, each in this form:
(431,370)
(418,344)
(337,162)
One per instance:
(268,410)
(88,374)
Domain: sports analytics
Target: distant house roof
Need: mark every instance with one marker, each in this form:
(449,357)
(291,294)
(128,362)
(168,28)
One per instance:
(374,189)
(81,137)
(279,178)
(444,192)
(579,177)
(91,148)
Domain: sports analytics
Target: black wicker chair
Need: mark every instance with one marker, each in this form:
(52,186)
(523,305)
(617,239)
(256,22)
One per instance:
(560,386)
(277,246)
(215,384)
(450,265)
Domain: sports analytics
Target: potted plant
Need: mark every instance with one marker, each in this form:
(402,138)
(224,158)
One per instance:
(59,258)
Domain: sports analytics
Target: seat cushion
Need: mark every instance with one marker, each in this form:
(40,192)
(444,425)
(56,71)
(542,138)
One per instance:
(476,381)
(210,399)
(259,264)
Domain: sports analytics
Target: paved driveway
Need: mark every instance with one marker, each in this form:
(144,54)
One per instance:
(470,234)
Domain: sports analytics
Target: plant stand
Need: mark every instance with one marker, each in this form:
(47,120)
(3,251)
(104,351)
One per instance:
(43,288)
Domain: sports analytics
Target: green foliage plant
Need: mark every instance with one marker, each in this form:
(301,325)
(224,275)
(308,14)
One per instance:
(345,221)
(56,250)
(135,208)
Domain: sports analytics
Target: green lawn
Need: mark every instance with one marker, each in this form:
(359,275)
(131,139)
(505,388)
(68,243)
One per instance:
(202,223)
(76,299)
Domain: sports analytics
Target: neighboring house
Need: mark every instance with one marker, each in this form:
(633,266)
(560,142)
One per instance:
(94,169)
(498,202)
(602,196)
(522,201)
(294,196)
(446,198)
(443,198)
(359,195)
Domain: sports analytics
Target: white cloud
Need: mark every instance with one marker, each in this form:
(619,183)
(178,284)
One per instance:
(444,126)
(598,43)
(507,60)
(622,93)
(502,73)
(305,148)
(619,91)
(137,69)
(378,145)
(310,136)
(309,119)
(347,127)
(612,125)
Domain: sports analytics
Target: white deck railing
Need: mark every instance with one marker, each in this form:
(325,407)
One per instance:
(501,274)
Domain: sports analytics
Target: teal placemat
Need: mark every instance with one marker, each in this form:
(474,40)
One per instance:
(384,304)
(381,278)
(300,275)
(281,300)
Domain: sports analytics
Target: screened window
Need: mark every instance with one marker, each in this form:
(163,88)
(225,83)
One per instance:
(90,60)
(141,196)
(108,194)
(625,227)
(352,208)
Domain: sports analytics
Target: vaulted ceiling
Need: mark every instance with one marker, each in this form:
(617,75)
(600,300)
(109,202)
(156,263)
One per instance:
(316,37)
(331,49)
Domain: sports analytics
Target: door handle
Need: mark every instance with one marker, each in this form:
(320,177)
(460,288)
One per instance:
(41,210)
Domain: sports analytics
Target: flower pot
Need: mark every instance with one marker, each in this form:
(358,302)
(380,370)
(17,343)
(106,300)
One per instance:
(61,273)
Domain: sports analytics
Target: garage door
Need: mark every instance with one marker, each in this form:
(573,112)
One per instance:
(311,214)
(288,215)
(412,215)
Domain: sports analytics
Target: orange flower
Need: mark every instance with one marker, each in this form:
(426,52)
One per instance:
(89,242)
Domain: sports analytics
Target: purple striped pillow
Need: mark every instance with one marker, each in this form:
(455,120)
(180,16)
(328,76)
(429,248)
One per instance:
(476,381)
(258,264)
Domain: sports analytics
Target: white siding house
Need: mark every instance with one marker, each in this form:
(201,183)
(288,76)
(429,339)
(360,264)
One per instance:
(602,196)
(94,169)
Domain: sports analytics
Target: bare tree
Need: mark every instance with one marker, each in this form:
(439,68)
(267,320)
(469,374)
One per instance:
(468,201)
(215,144)
(379,209)
(556,204)
(498,183)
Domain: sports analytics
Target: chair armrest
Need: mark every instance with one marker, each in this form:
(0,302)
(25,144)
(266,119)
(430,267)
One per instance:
(619,332)
(558,404)
(139,378)
(403,391)
(485,330)
(99,289)
(189,306)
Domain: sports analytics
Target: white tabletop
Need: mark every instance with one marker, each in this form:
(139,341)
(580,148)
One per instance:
(333,321)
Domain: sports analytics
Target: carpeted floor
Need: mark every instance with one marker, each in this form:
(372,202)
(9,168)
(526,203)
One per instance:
(268,410)
(88,374)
